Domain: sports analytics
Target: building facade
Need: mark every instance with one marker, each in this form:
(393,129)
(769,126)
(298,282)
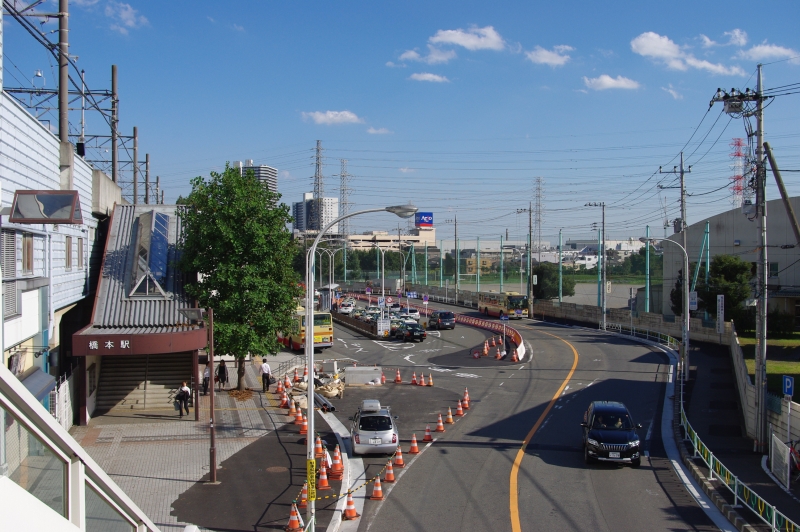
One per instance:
(264,173)
(305,218)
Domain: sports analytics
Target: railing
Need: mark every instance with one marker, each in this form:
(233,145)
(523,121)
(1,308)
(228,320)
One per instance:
(41,457)
(768,513)
(286,366)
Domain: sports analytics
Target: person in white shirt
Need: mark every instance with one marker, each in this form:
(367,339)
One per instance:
(266,373)
(183,398)
(206,378)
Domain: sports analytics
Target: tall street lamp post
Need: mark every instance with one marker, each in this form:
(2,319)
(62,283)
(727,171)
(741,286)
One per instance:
(403,211)
(685,339)
(196,314)
(602,256)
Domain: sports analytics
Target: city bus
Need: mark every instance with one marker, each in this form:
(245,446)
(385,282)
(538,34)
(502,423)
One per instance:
(511,304)
(323,331)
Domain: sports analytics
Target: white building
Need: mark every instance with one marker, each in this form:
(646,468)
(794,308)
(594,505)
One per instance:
(263,172)
(303,213)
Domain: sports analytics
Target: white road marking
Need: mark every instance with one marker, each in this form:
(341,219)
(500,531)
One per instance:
(434,368)
(522,366)
(565,390)
(670,373)
(407,359)
(467,375)
(437,334)
(502,383)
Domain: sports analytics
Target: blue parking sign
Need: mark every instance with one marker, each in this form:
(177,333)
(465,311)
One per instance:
(788,385)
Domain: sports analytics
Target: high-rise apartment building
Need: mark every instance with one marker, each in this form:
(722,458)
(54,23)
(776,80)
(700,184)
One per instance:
(303,213)
(263,172)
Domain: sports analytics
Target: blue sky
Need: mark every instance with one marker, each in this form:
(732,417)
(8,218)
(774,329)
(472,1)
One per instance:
(455,106)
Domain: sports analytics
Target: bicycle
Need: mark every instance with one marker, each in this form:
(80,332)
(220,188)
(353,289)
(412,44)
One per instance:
(795,459)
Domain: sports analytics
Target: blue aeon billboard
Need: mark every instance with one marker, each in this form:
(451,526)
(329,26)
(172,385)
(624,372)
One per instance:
(423,219)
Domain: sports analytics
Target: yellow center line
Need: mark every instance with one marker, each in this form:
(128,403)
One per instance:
(513,495)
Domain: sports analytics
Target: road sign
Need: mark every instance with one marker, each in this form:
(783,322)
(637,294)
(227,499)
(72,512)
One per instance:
(788,385)
(425,298)
(368,290)
(311,476)
(389,300)
(692,300)
(381,301)
(384,326)
(721,314)
(535,280)
(608,287)
(504,317)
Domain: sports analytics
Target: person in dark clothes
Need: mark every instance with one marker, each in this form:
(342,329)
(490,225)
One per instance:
(222,375)
(206,378)
(183,399)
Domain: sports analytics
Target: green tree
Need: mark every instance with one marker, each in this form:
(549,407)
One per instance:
(235,244)
(546,286)
(730,276)
(676,295)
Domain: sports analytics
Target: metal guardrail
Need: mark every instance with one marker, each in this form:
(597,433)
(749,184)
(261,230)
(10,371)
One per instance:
(287,365)
(743,495)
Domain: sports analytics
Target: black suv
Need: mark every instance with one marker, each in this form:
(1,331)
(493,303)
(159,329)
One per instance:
(442,319)
(609,434)
(410,331)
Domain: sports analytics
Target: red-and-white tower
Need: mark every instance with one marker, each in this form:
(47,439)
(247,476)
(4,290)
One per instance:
(737,187)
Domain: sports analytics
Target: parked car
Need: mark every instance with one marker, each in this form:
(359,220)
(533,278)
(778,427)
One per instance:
(393,325)
(410,331)
(357,313)
(410,312)
(346,308)
(395,307)
(609,434)
(373,429)
(442,319)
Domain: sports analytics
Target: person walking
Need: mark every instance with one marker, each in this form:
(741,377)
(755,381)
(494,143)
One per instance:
(266,373)
(222,375)
(183,399)
(206,378)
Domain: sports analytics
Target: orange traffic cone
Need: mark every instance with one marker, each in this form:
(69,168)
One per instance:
(465,403)
(305,373)
(350,510)
(430,380)
(439,425)
(377,491)
(398,458)
(294,521)
(486,348)
(459,410)
(318,452)
(383,378)
(466,395)
(280,388)
(449,419)
(397,378)
(304,496)
(292,407)
(337,469)
(389,472)
(427,436)
(286,382)
(414,378)
(421,381)
(514,357)
(284,401)
(298,417)
(497,355)
(297,377)
(492,344)
(322,481)
(304,426)
(414,447)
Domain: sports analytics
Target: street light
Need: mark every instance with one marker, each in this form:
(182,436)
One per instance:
(403,211)
(602,255)
(196,314)
(685,339)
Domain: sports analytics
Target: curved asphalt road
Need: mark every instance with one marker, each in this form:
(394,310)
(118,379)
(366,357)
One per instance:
(462,481)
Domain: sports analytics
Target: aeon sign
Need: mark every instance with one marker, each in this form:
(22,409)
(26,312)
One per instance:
(423,219)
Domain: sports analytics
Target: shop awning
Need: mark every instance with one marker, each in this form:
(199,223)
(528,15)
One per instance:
(39,384)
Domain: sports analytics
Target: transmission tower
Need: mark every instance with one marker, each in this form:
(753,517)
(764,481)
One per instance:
(344,199)
(538,213)
(737,187)
(319,189)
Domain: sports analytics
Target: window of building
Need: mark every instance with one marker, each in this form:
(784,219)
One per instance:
(92,378)
(773,269)
(27,253)
(9,250)
(68,253)
(80,253)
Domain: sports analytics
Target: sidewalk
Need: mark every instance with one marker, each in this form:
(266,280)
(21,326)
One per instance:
(160,460)
(713,409)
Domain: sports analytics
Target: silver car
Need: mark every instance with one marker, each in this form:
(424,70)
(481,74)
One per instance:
(373,429)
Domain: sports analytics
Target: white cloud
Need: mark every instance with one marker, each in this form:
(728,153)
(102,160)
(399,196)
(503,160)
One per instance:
(663,49)
(379,131)
(472,39)
(736,37)
(672,92)
(435,55)
(605,81)
(427,76)
(84,3)
(764,51)
(237,27)
(555,57)
(329,118)
(285,175)
(211,20)
(124,17)
(406,170)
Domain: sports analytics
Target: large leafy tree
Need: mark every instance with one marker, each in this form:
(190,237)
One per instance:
(546,286)
(235,240)
(730,276)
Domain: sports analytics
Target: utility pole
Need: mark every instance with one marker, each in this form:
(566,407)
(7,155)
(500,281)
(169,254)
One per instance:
(63,71)
(539,210)
(135,165)
(647,271)
(344,208)
(601,259)
(560,262)
(114,125)
(478,261)
(683,225)
(501,262)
